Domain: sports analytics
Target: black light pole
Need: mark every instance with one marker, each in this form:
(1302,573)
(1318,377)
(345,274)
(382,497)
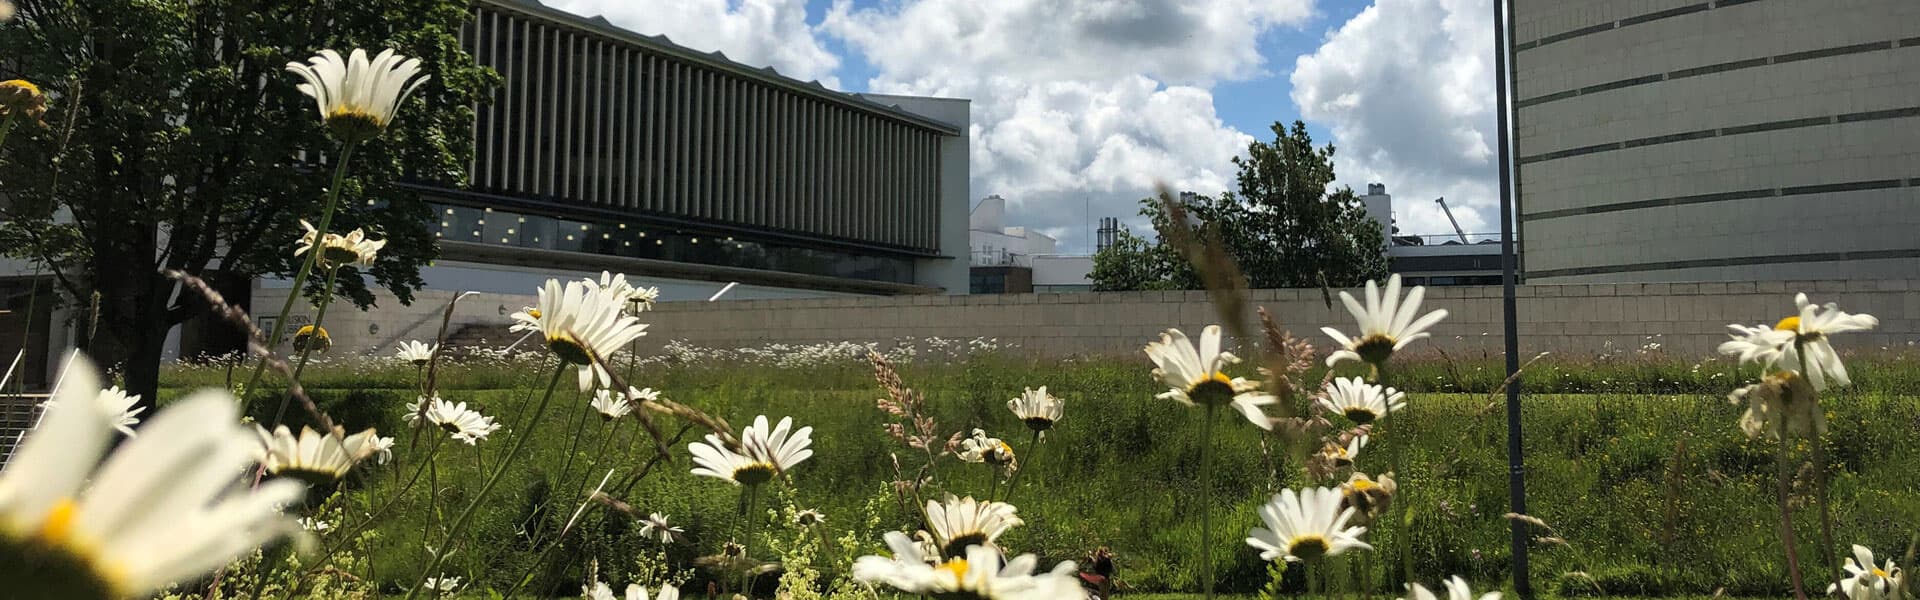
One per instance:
(1516,463)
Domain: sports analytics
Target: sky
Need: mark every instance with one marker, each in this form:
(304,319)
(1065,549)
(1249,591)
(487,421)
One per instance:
(1080,107)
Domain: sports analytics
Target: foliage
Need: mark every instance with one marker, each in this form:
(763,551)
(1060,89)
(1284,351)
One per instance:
(1283,227)
(176,141)
(1120,468)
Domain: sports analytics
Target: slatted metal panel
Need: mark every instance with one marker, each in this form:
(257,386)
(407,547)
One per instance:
(614,124)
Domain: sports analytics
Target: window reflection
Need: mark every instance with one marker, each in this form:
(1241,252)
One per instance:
(499,227)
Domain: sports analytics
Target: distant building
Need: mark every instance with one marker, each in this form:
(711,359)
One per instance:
(1717,141)
(1001,260)
(1455,259)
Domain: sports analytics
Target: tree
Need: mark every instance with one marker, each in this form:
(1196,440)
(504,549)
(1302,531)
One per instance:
(176,141)
(1283,228)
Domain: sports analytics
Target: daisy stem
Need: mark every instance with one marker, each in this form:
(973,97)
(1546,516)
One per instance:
(566,469)
(306,269)
(1783,488)
(343,538)
(319,314)
(1206,502)
(519,442)
(606,434)
(1827,548)
(753,518)
(1033,455)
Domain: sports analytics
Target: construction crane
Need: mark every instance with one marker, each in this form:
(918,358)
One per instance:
(1442,201)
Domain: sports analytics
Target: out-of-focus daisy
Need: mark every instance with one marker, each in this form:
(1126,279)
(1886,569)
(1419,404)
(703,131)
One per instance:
(961,522)
(464,424)
(382,449)
(22,97)
(1387,323)
(313,525)
(1780,395)
(163,507)
(1456,590)
(313,336)
(656,527)
(445,585)
(1367,497)
(643,298)
(520,325)
(1038,409)
(808,518)
(1867,581)
(118,408)
(313,457)
(764,452)
(990,450)
(1813,329)
(1194,378)
(610,406)
(666,592)
(1306,525)
(638,395)
(417,352)
(1343,456)
(1762,345)
(357,97)
(598,590)
(976,574)
(1361,402)
(340,250)
(582,323)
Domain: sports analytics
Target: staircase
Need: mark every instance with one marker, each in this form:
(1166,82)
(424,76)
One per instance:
(482,335)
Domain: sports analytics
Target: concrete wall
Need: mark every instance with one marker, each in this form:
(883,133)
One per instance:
(1690,318)
(1685,140)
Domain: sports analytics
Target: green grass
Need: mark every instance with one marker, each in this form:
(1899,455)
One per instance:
(1657,493)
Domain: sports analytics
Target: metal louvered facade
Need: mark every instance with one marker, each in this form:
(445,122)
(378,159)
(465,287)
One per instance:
(593,121)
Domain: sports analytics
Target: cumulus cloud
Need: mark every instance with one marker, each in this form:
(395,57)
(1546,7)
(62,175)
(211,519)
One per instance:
(755,32)
(1407,89)
(1078,107)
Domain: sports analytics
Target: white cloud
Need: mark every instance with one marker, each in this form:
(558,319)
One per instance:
(1407,89)
(754,32)
(1078,107)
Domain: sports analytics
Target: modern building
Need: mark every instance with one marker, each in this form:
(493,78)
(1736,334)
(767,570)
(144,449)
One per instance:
(606,149)
(1687,140)
(1460,258)
(1001,260)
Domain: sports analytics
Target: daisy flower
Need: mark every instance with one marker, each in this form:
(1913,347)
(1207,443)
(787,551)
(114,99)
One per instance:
(961,522)
(1386,324)
(381,448)
(582,322)
(977,574)
(444,585)
(611,407)
(340,250)
(657,528)
(1037,408)
(1367,497)
(78,522)
(808,518)
(982,449)
(21,97)
(357,97)
(417,352)
(117,406)
(1305,526)
(1359,401)
(638,395)
(312,457)
(597,591)
(1866,581)
(763,453)
(666,592)
(1812,348)
(1193,377)
(1761,345)
(1343,456)
(464,424)
(1456,590)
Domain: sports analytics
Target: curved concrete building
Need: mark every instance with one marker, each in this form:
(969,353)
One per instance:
(1693,140)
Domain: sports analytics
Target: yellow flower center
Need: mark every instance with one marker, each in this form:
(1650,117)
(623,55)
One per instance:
(533,312)
(1788,324)
(569,348)
(1213,390)
(754,474)
(1359,415)
(354,123)
(1309,547)
(957,547)
(1362,485)
(1374,349)
(24,85)
(59,523)
(958,567)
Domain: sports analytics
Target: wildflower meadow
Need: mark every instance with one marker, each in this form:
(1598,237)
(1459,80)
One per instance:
(1260,457)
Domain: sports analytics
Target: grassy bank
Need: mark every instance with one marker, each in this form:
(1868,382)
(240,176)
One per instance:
(1656,493)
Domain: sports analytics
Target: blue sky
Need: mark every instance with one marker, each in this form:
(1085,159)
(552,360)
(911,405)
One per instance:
(1080,108)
